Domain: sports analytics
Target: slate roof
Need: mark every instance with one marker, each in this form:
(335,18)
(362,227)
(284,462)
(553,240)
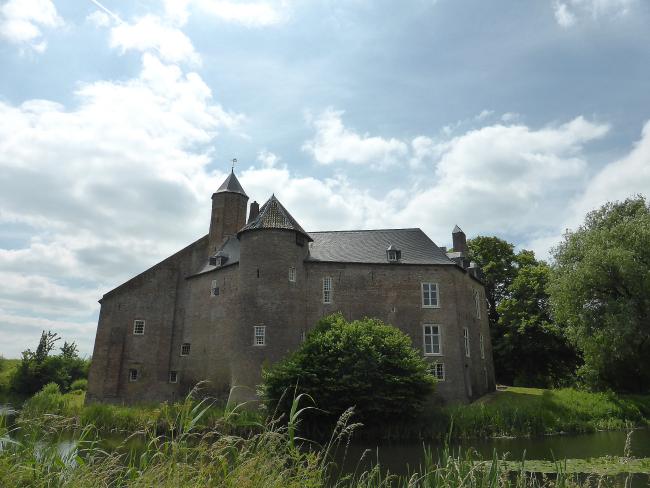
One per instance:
(231,184)
(231,248)
(369,246)
(274,216)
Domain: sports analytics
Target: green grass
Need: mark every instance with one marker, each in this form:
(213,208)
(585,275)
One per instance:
(531,411)
(105,418)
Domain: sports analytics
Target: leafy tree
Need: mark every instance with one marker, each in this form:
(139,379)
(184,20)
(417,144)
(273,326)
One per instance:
(498,262)
(36,369)
(528,348)
(532,349)
(600,289)
(363,363)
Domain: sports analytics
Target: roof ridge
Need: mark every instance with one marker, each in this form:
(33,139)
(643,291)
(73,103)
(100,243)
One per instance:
(362,230)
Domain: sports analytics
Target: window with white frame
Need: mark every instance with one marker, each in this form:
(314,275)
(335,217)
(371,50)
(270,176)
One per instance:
(327,289)
(173,376)
(466,340)
(430,296)
(214,289)
(432,343)
(133,375)
(438,371)
(185,349)
(482,346)
(292,274)
(259,338)
(138,327)
(477,303)
(303,336)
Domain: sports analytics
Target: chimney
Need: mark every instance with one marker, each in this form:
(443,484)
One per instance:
(254,211)
(460,241)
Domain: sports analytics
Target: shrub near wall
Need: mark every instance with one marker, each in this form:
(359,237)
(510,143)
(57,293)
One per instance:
(364,364)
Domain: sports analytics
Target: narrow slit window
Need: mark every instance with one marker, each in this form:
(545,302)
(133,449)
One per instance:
(214,289)
(430,295)
(327,289)
(466,341)
(260,335)
(477,303)
(481,343)
(292,274)
(185,349)
(432,343)
(138,327)
(133,375)
(173,376)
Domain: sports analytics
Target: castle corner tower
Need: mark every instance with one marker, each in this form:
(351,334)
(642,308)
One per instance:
(228,212)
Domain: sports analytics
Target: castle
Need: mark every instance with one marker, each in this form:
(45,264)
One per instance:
(247,293)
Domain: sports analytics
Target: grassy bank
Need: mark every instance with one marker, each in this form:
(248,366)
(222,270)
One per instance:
(530,411)
(272,457)
(160,418)
(513,412)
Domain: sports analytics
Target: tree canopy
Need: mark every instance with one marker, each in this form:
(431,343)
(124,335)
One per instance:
(600,291)
(528,348)
(40,367)
(365,363)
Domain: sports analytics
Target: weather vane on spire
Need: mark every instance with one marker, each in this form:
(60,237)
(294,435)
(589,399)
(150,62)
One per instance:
(234,160)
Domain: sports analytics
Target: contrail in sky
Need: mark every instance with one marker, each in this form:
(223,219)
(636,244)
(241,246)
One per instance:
(115,16)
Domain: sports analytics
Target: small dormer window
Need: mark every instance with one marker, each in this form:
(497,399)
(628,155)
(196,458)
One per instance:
(393,254)
(213,261)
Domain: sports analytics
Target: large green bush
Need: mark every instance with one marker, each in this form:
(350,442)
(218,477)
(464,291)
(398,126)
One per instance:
(364,363)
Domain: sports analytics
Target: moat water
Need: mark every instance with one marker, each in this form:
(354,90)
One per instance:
(404,458)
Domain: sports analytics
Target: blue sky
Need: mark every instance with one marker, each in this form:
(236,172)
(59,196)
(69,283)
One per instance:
(118,121)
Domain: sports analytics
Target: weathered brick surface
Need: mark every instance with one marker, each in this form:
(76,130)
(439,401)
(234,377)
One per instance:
(178,308)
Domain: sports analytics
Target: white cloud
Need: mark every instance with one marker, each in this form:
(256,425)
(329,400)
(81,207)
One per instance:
(568,12)
(21,22)
(623,178)
(247,13)
(513,179)
(99,19)
(109,187)
(268,159)
(484,114)
(563,15)
(334,142)
(150,33)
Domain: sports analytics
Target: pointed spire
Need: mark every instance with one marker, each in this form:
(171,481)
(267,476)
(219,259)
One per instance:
(231,184)
(457,230)
(273,215)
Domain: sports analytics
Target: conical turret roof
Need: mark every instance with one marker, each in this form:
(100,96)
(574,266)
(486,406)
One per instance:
(457,230)
(273,215)
(231,184)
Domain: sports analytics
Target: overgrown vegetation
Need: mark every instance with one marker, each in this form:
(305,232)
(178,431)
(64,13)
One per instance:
(40,453)
(364,363)
(38,368)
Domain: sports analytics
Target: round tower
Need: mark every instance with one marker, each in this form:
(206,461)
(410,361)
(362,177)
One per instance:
(228,212)
(272,289)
